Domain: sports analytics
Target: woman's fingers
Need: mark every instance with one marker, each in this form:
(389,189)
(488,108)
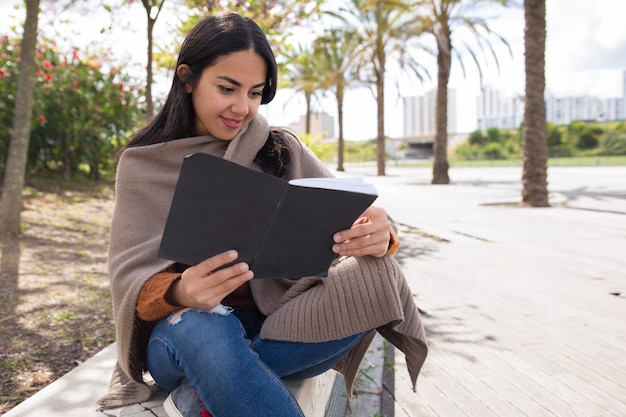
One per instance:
(369,235)
(203,287)
(207,266)
(373,244)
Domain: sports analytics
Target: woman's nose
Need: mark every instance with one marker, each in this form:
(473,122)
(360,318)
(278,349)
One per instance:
(241,105)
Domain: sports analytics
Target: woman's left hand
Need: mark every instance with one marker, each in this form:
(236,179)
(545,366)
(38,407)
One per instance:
(369,235)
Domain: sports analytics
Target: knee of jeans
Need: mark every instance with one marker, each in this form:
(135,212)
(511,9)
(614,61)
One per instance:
(176,317)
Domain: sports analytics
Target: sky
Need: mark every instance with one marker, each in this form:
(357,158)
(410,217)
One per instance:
(585,55)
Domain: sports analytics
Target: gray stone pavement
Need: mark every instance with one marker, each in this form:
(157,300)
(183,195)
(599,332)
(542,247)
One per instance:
(525,309)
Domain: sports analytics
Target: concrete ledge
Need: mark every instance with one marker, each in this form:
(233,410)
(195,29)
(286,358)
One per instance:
(75,393)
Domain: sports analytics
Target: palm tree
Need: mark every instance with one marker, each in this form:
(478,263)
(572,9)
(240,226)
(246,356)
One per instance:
(276,18)
(303,74)
(535,172)
(15,170)
(337,50)
(386,30)
(444,19)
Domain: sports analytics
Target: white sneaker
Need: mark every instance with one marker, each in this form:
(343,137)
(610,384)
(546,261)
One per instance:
(183,402)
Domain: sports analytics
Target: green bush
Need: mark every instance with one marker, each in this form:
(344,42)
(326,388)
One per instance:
(467,151)
(553,135)
(477,138)
(493,144)
(613,143)
(324,151)
(576,139)
(562,151)
(360,151)
(584,135)
(494,150)
(84,108)
(494,135)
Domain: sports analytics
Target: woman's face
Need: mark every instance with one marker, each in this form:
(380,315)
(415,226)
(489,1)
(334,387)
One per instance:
(228,94)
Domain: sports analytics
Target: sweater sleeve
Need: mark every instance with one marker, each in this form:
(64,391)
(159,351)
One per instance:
(151,304)
(394,244)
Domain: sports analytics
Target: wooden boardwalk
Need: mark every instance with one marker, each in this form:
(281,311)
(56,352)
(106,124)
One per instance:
(525,309)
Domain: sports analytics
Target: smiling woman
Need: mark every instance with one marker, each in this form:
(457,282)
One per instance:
(218,340)
(228,94)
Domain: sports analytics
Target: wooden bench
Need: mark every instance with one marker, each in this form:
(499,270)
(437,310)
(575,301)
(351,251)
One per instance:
(75,394)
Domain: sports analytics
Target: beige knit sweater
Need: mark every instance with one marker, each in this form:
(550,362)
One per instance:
(358,294)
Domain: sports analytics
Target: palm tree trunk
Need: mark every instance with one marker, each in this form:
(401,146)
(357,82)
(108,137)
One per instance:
(380,105)
(340,144)
(440,145)
(307,120)
(535,171)
(11,208)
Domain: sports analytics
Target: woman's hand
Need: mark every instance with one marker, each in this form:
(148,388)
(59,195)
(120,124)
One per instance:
(203,288)
(369,235)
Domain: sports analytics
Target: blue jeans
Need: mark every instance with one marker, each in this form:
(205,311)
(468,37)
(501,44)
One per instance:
(233,371)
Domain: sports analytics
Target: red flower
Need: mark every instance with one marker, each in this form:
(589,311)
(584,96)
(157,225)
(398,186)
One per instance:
(47,77)
(41,118)
(75,55)
(120,85)
(47,65)
(39,72)
(3,73)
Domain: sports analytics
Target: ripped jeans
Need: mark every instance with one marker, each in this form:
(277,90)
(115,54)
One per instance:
(232,370)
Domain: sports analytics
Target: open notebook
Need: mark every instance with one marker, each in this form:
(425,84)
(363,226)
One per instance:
(281,229)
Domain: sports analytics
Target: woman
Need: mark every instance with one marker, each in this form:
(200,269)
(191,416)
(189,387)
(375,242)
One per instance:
(218,340)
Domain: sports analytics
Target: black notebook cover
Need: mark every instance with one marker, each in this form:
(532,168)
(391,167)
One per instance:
(280,230)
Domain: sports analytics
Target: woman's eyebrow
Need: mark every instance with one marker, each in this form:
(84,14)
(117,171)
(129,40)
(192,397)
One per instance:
(237,83)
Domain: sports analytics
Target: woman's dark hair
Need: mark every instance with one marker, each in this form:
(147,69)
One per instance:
(274,157)
(212,38)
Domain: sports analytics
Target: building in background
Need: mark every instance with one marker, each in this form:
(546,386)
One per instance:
(497,109)
(562,111)
(420,124)
(322,124)
(419,114)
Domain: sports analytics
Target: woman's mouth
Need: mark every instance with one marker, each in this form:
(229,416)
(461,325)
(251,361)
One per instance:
(232,123)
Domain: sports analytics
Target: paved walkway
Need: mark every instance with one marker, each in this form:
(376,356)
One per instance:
(525,309)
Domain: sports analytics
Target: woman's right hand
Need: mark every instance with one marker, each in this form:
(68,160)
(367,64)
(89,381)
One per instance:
(203,288)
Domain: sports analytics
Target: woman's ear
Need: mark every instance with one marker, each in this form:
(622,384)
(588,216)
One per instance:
(183,72)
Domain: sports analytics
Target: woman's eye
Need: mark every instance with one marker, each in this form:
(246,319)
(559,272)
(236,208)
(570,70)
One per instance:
(256,93)
(226,89)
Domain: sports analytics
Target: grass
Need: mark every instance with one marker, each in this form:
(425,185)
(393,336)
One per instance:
(55,308)
(570,161)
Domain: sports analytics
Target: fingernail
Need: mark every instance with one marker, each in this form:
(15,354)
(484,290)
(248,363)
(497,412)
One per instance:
(337,237)
(232,254)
